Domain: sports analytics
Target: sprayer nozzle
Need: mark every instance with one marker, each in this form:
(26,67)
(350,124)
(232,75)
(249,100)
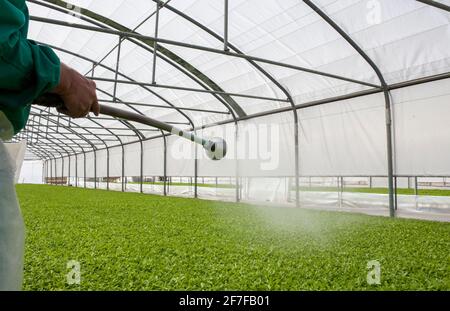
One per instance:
(216,148)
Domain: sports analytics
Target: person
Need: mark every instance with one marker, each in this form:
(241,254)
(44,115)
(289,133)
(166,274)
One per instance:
(27,71)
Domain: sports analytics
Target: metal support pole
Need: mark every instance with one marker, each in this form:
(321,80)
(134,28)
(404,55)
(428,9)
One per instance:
(62,170)
(241,189)
(43,172)
(190,46)
(56,172)
(297,162)
(182,88)
(123,169)
(436,4)
(416,191)
(50,181)
(141,171)
(76,170)
(287,182)
(155,43)
(389,147)
(84,169)
(225,27)
(95,169)
(384,88)
(165,164)
(95,155)
(339,188)
(416,187)
(395,191)
(107,168)
(68,174)
(236,137)
(117,68)
(196,172)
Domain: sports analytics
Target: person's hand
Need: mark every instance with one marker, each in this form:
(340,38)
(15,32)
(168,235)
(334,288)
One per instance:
(77,92)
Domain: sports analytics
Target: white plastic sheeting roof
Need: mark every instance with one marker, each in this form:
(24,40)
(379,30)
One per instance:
(406,39)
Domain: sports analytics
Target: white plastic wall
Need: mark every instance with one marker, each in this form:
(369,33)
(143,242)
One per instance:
(344,138)
(422,129)
(31,172)
(154,157)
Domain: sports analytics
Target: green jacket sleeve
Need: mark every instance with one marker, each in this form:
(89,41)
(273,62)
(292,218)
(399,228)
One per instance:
(27,70)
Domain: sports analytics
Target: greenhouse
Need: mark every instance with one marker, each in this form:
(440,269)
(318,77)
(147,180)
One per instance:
(333,123)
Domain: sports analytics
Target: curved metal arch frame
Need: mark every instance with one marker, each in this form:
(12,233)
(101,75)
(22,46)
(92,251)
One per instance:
(199,48)
(140,141)
(154,93)
(384,86)
(216,95)
(34,124)
(124,76)
(387,99)
(49,144)
(131,34)
(139,135)
(228,46)
(53,133)
(436,4)
(50,117)
(59,150)
(69,128)
(258,68)
(112,70)
(68,154)
(52,139)
(93,146)
(94,19)
(295,116)
(94,149)
(216,51)
(142,149)
(290,100)
(127,124)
